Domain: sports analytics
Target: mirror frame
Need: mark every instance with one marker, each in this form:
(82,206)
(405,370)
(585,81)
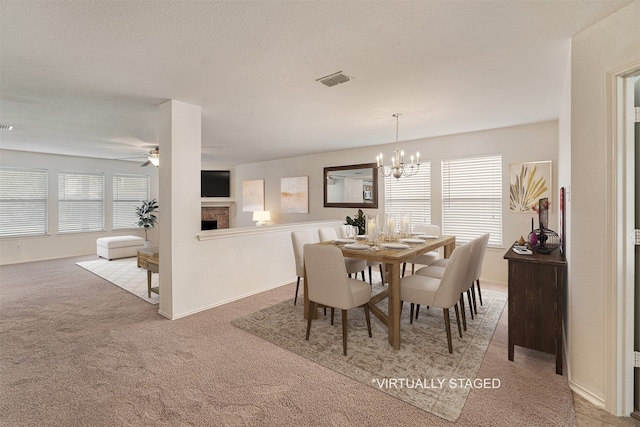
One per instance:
(374,191)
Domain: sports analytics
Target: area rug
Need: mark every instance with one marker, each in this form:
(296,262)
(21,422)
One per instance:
(422,373)
(125,274)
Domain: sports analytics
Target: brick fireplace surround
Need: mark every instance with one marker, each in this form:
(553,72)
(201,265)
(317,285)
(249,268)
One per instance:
(216,213)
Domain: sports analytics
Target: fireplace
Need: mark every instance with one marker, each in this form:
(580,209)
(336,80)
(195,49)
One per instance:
(214,217)
(209,225)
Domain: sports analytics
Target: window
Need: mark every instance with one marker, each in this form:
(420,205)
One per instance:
(128,191)
(410,195)
(80,202)
(472,198)
(23,202)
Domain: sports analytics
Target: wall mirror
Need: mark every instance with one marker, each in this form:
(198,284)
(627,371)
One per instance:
(352,186)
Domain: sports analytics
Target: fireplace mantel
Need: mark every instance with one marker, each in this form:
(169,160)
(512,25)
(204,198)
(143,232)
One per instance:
(217,202)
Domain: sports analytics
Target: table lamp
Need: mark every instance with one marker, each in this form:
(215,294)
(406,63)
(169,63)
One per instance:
(261,217)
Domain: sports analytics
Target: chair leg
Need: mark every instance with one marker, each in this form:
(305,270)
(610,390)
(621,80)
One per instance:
(470,303)
(464,316)
(458,320)
(404,266)
(473,294)
(312,306)
(297,287)
(411,313)
(344,332)
(381,274)
(370,278)
(363,279)
(366,316)
(417,310)
(479,293)
(332,310)
(447,324)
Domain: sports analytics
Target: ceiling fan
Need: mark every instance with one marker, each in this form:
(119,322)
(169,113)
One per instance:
(153,158)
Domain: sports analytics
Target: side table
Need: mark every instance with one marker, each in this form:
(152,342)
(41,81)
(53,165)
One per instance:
(536,289)
(149,258)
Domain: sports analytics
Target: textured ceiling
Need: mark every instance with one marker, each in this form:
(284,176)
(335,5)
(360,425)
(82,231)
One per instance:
(86,78)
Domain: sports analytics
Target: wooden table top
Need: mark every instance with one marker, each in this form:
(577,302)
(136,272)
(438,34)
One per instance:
(393,256)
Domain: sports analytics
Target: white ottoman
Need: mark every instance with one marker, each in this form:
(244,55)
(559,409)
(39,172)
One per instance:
(119,246)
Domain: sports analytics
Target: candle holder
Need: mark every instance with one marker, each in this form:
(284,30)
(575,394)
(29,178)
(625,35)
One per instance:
(371,228)
(405,225)
(390,227)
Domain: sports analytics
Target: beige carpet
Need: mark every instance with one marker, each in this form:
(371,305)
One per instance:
(421,373)
(125,274)
(75,351)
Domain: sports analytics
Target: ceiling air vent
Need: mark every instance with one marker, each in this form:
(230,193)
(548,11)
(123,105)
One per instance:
(333,79)
(6,127)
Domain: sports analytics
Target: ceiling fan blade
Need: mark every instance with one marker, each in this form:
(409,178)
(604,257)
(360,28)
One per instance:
(147,163)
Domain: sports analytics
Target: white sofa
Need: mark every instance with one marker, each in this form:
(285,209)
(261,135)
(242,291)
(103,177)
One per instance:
(119,246)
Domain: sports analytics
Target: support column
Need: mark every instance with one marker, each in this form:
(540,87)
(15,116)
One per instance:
(179,202)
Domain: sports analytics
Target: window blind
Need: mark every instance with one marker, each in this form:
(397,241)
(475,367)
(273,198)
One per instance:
(23,202)
(128,192)
(472,198)
(80,202)
(410,195)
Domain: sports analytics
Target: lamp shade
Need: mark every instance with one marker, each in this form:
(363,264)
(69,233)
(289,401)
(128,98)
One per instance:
(261,216)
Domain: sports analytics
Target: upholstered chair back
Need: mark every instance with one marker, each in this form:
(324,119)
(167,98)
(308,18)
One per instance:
(327,280)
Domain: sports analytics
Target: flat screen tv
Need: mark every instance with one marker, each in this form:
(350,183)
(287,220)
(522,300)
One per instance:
(215,184)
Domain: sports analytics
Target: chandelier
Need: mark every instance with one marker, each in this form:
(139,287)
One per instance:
(398,167)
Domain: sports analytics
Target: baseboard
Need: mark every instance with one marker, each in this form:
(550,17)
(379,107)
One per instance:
(587,395)
(493,282)
(217,304)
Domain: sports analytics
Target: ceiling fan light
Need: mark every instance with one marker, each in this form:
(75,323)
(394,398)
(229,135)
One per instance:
(155,160)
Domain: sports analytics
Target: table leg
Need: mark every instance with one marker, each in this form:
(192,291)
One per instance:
(149,282)
(393,274)
(448,249)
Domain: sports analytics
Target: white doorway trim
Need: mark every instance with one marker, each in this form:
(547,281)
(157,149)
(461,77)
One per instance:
(619,225)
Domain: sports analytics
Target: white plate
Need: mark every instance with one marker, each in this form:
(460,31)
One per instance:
(412,240)
(427,236)
(357,246)
(344,241)
(395,246)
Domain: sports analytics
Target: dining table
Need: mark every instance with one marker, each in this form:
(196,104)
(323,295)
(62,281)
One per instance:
(392,254)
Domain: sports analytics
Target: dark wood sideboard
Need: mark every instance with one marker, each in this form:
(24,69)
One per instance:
(536,289)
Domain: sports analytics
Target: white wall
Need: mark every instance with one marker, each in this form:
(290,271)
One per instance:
(610,44)
(55,245)
(534,142)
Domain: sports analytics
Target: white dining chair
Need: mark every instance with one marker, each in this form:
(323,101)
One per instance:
(483,249)
(426,258)
(443,293)
(300,238)
(370,264)
(329,234)
(478,247)
(329,285)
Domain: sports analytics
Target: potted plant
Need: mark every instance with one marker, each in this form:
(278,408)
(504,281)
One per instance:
(146,217)
(358,221)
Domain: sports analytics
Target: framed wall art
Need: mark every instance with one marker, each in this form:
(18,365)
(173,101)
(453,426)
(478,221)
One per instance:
(528,183)
(253,195)
(294,194)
